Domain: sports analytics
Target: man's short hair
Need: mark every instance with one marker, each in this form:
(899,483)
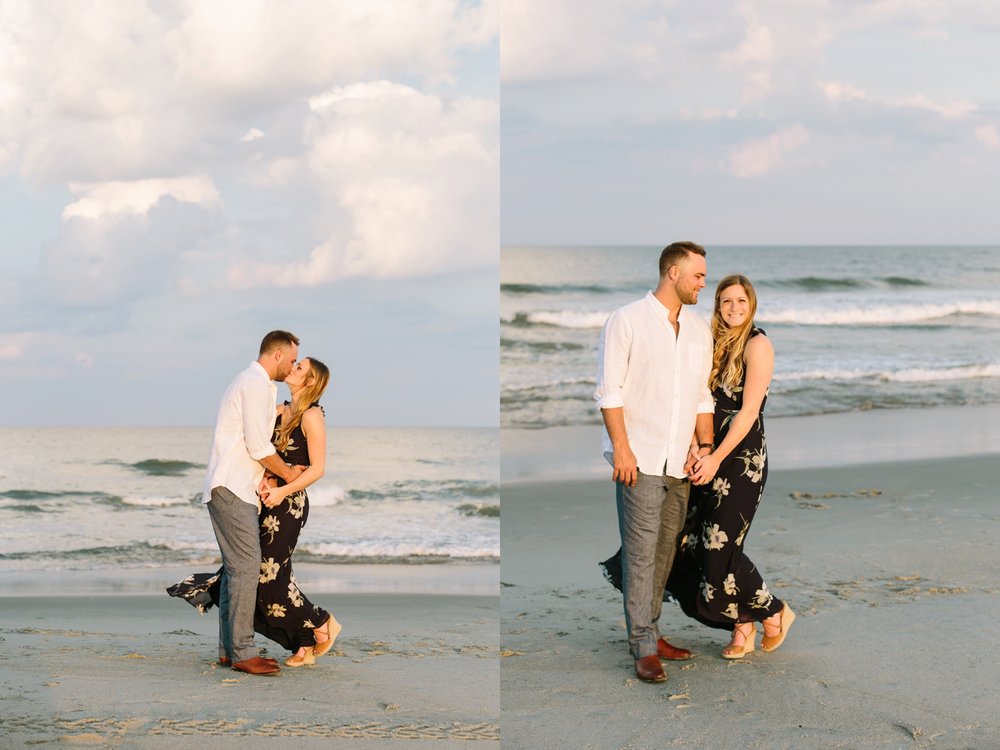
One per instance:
(675,252)
(277,339)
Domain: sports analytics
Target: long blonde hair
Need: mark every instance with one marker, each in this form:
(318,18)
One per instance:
(316,381)
(731,343)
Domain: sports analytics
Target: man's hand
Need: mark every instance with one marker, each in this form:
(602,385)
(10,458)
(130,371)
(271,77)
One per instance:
(695,454)
(293,473)
(268,480)
(705,470)
(626,469)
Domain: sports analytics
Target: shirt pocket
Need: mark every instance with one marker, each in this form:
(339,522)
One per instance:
(696,358)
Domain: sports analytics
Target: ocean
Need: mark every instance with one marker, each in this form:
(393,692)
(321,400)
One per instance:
(102,497)
(854,328)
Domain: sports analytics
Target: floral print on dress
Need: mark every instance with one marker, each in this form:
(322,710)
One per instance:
(270,525)
(753,464)
(715,538)
(296,504)
(268,570)
(294,595)
(718,521)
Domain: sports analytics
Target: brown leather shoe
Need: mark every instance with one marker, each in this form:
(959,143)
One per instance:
(649,669)
(225,661)
(257,665)
(672,653)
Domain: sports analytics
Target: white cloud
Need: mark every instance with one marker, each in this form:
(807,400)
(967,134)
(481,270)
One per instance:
(12,346)
(415,174)
(842,92)
(563,38)
(955,110)
(253,134)
(758,157)
(838,91)
(99,200)
(988,136)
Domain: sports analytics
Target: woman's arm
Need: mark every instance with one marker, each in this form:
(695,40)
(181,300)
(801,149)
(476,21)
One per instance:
(759,359)
(314,428)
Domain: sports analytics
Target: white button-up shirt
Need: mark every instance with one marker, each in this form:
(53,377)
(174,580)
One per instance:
(243,434)
(659,377)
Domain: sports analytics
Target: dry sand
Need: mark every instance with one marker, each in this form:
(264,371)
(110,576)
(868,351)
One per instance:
(138,670)
(893,569)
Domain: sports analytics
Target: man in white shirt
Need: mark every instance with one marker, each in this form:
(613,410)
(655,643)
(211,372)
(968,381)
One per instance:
(652,389)
(241,450)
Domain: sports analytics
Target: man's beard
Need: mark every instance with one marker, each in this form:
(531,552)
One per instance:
(688,296)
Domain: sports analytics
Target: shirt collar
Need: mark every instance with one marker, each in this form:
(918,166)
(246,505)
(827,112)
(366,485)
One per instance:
(662,311)
(259,368)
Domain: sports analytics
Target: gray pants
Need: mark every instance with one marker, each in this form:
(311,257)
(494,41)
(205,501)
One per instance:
(238,534)
(650,517)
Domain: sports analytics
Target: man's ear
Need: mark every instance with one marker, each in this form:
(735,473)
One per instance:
(673,272)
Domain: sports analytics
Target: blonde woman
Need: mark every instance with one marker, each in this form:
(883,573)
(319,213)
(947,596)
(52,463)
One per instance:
(284,613)
(713,579)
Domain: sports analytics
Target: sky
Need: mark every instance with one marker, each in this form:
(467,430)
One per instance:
(779,122)
(177,178)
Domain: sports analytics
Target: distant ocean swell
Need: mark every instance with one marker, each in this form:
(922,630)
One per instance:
(909,375)
(804,283)
(858,315)
(148,554)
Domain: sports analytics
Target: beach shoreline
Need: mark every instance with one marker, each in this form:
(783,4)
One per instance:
(446,578)
(889,564)
(841,439)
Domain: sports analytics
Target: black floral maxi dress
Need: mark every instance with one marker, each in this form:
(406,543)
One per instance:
(712,578)
(283,613)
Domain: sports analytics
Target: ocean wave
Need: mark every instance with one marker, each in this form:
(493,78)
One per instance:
(393,551)
(325,495)
(545,385)
(428,491)
(157,501)
(879,315)
(541,346)
(558,319)
(526,289)
(161,467)
(908,375)
(819,283)
(486,511)
(48,495)
(134,552)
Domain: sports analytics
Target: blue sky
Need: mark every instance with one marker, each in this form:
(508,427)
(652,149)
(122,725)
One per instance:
(177,178)
(786,122)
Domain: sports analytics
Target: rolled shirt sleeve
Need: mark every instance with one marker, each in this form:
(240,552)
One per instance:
(258,411)
(612,357)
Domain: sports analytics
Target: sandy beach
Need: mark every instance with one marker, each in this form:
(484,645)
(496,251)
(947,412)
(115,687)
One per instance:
(890,565)
(109,660)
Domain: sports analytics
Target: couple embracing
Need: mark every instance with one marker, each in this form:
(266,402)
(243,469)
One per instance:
(263,457)
(684,431)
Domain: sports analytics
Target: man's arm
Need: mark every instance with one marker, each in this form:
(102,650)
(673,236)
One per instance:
(276,466)
(702,441)
(258,419)
(625,463)
(613,354)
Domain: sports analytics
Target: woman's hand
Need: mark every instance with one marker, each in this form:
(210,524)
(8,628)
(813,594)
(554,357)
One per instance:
(705,469)
(272,497)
